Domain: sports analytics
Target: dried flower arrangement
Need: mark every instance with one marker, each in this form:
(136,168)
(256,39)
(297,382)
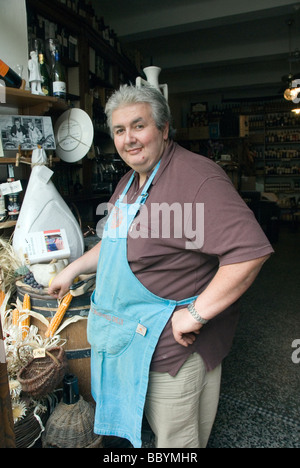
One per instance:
(23,343)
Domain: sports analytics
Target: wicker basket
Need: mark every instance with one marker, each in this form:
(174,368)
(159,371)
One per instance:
(71,426)
(41,376)
(29,429)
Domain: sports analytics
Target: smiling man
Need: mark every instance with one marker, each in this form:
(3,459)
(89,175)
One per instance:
(165,308)
(137,139)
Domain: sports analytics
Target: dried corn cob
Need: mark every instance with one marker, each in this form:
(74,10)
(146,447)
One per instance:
(26,322)
(2,297)
(59,315)
(15,316)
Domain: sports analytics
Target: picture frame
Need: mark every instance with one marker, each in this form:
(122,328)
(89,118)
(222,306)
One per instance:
(27,132)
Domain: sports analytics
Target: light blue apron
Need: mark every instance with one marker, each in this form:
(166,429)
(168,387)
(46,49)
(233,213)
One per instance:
(124,325)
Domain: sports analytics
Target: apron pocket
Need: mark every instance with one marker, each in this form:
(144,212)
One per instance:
(109,333)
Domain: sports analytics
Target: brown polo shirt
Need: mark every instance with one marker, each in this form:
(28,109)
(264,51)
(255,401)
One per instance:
(193,222)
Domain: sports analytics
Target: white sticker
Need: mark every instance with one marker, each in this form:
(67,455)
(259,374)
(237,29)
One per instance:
(141,329)
(39,353)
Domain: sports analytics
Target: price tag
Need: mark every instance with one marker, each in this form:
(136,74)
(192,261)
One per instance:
(45,174)
(141,329)
(11,187)
(39,353)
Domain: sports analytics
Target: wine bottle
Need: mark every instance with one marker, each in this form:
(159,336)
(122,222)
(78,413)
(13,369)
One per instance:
(58,78)
(10,77)
(46,87)
(13,206)
(70,389)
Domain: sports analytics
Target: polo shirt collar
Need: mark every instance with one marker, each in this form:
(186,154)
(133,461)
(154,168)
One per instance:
(165,160)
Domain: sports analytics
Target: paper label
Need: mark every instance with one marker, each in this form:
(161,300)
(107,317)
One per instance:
(39,353)
(45,174)
(11,187)
(59,87)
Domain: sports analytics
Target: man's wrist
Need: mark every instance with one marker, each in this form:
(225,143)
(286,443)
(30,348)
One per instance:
(195,315)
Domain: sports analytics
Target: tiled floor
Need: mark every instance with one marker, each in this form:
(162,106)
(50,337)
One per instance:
(260,396)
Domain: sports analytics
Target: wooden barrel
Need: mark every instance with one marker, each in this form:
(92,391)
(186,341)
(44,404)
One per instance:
(77,348)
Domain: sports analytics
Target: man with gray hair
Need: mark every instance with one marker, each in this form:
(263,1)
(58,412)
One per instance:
(165,307)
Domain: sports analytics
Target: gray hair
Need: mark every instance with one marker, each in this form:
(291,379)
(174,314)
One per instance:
(129,94)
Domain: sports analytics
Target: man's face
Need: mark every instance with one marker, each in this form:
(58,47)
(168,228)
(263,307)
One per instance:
(137,139)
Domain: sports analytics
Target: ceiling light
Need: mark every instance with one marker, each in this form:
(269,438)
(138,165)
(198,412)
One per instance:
(292,83)
(296,110)
(291,93)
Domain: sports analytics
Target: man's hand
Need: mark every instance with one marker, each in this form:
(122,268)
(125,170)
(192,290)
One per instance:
(227,286)
(60,285)
(85,264)
(185,327)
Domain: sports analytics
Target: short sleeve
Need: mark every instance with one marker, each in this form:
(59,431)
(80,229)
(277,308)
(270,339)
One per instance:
(230,229)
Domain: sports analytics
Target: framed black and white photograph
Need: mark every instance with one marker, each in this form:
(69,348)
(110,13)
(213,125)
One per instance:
(26,131)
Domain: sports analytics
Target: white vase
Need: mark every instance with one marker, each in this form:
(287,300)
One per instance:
(152,74)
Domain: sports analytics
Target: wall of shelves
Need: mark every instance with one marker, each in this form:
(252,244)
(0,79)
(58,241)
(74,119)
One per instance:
(90,44)
(94,69)
(277,159)
(95,65)
(266,143)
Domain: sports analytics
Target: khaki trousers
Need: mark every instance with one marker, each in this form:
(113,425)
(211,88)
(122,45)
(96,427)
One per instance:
(181,410)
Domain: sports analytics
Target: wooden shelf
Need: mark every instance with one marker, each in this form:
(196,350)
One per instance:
(61,14)
(32,104)
(7,224)
(12,160)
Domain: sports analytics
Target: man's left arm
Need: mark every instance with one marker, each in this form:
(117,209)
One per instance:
(227,286)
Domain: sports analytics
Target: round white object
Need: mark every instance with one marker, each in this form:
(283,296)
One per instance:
(74,135)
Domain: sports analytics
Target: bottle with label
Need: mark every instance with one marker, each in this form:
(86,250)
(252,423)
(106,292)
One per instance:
(46,87)
(58,78)
(10,77)
(13,206)
(70,389)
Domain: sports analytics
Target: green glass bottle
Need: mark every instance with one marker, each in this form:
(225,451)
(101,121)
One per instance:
(46,84)
(58,78)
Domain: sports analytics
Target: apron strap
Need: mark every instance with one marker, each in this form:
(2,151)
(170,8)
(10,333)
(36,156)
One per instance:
(127,187)
(186,301)
(143,197)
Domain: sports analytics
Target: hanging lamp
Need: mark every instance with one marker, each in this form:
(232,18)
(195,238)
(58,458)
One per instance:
(292,82)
